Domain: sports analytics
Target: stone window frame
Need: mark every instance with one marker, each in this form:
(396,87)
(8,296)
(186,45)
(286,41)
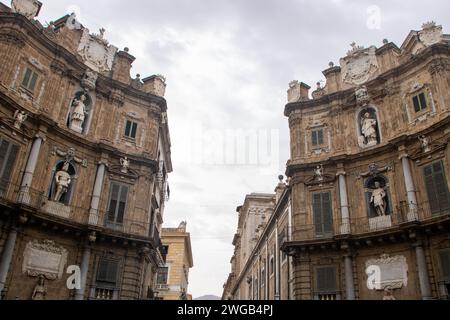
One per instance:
(417,117)
(140,131)
(325,147)
(34,65)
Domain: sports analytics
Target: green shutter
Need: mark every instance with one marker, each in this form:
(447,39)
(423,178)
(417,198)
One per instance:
(445,264)
(134,130)
(113,201)
(314,138)
(327,213)
(107,271)
(320,137)
(423,101)
(8,156)
(317,210)
(416,104)
(122,204)
(326,280)
(437,188)
(26,78)
(128,129)
(33,81)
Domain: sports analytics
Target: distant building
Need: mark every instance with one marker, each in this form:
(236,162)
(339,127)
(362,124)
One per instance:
(260,271)
(84,162)
(173,278)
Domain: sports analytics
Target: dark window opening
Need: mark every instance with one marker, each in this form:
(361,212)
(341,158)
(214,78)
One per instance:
(420,102)
(117,204)
(29,80)
(131,129)
(317,138)
(323,214)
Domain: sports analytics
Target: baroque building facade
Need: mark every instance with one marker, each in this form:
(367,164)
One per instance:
(173,278)
(84,161)
(369,177)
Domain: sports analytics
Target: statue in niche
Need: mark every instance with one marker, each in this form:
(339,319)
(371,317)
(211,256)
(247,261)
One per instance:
(40,291)
(125,163)
(378,199)
(369,132)
(78,114)
(63,181)
(425,144)
(19,118)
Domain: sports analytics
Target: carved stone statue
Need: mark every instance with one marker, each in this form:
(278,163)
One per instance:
(378,199)
(425,144)
(40,291)
(19,118)
(63,181)
(369,130)
(125,163)
(388,294)
(78,114)
(318,173)
(89,79)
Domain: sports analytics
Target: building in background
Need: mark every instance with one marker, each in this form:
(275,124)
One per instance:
(173,277)
(369,174)
(260,270)
(84,161)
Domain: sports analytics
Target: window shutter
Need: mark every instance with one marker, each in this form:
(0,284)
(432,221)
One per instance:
(134,130)
(327,213)
(107,271)
(115,189)
(26,78)
(317,208)
(416,104)
(8,155)
(445,264)
(320,137)
(314,138)
(326,280)
(128,129)
(33,81)
(423,101)
(437,188)
(122,204)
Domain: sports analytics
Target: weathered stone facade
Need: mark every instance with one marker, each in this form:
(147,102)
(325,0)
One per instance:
(84,163)
(173,278)
(370,172)
(369,177)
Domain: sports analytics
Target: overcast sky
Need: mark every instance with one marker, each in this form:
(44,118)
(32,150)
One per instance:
(228,64)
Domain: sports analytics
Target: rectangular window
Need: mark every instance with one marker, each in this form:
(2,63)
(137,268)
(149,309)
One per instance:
(437,188)
(326,283)
(117,203)
(420,102)
(8,156)
(131,129)
(445,265)
(164,252)
(163,276)
(107,273)
(317,137)
(323,214)
(29,80)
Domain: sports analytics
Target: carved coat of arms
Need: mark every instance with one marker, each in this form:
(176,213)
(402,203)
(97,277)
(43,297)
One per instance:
(359,65)
(95,51)
(430,34)
(28,8)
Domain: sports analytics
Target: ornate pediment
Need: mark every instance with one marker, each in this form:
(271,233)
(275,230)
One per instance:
(430,34)
(96,52)
(359,65)
(27,8)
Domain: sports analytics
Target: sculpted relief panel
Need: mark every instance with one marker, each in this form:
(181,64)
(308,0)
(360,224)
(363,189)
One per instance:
(359,65)
(44,258)
(95,51)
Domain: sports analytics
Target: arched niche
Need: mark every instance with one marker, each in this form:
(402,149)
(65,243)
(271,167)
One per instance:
(368,124)
(84,97)
(370,187)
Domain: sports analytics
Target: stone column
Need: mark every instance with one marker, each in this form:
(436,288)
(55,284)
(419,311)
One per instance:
(349,282)
(24,195)
(345,213)
(6,259)
(98,187)
(412,214)
(424,279)
(266,267)
(277,264)
(80,294)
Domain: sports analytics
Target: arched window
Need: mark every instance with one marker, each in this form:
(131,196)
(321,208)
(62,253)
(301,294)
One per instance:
(79,116)
(58,191)
(378,197)
(369,133)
